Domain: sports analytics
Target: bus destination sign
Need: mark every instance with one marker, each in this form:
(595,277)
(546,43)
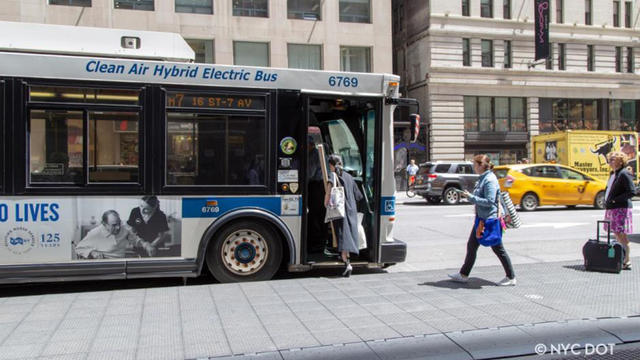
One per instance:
(215,101)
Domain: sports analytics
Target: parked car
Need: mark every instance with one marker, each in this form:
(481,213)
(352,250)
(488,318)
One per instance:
(532,185)
(436,181)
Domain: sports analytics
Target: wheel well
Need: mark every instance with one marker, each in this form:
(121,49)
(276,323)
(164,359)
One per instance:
(450,185)
(532,193)
(217,227)
(286,252)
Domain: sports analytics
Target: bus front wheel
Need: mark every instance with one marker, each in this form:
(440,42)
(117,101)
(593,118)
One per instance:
(244,251)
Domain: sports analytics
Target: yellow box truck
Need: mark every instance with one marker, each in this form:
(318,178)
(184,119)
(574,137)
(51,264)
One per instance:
(586,150)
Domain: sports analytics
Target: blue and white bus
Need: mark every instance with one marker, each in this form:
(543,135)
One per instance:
(121,158)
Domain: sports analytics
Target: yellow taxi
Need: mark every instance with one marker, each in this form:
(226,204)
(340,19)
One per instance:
(533,185)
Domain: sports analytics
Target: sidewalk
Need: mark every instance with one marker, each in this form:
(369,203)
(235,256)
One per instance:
(385,315)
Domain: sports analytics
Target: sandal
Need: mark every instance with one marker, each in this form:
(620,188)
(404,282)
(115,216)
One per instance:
(626,266)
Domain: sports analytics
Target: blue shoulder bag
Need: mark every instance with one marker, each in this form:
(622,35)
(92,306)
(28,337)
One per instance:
(491,229)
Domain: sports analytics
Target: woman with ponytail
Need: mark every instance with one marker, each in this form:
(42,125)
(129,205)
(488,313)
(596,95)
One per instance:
(485,199)
(347,228)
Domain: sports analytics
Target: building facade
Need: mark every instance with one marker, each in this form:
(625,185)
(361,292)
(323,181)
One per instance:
(349,35)
(471,65)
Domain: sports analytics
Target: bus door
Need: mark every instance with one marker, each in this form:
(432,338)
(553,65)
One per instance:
(344,127)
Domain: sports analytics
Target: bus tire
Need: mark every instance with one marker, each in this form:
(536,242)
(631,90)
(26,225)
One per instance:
(244,251)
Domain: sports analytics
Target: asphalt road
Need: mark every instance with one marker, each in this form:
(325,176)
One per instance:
(437,234)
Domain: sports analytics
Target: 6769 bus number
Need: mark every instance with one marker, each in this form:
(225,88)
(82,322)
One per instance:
(343,81)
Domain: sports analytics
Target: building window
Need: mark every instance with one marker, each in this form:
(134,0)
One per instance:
(507,54)
(134,4)
(357,11)
(628,8)
(485,114)
(86,3)
(549,60)
(466,52)
(486,8)
(559,11)
(465,8)
(254,8)
(250,53)
(204,50)
(588,10)
(303,56)
(487,53)
(570,114)
(506,9)
(194,6)
(622,115)
(562,55)
(355,59)
(616,13)
(304,9)
(630,60)
(618,59)
(488,114)
(470,113)
(591,58)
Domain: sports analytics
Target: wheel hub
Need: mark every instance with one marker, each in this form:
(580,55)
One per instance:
(244,252)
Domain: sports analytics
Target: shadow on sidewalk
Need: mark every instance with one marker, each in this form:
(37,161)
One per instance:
(575,267)
(473,283)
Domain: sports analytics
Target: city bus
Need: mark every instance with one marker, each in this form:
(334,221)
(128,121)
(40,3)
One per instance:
(122,158)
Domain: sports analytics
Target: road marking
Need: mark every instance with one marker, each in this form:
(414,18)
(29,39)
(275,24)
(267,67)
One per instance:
(554,225)
(534,296)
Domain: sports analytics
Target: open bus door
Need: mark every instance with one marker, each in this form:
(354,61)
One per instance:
(346,127)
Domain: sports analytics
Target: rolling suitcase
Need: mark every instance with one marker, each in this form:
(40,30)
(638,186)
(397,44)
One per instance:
(601,256)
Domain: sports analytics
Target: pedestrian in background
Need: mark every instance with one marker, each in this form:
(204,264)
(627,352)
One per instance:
(485,198)
(620,190)
(347,228)
(412,168)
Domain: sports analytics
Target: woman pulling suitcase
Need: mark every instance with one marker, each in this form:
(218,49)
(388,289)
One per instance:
(620,190)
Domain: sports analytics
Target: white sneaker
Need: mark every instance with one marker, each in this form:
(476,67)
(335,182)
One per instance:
(457,277)
(507,282)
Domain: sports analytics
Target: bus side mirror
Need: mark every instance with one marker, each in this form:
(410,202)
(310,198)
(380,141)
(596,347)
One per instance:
(414,124)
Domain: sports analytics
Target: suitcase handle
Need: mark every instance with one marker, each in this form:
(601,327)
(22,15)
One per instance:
(608,223)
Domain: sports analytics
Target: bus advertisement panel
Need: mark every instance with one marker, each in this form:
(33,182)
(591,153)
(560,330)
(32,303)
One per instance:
(89,228)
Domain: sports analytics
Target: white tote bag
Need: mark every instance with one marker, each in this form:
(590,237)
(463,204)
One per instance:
(335,207)
(362,235)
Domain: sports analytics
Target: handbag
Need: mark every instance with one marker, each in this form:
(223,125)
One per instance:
(512,220)
(335,207)
(362,235)
(490,231)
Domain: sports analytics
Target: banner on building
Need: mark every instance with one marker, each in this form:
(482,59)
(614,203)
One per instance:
(542,29)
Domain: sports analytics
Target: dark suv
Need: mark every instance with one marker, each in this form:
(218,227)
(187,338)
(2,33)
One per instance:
(436,181)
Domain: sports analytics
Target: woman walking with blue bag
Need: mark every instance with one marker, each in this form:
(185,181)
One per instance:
(487,229)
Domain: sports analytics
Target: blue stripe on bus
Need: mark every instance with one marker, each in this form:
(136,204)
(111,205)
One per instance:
(388,205)
(212,207)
